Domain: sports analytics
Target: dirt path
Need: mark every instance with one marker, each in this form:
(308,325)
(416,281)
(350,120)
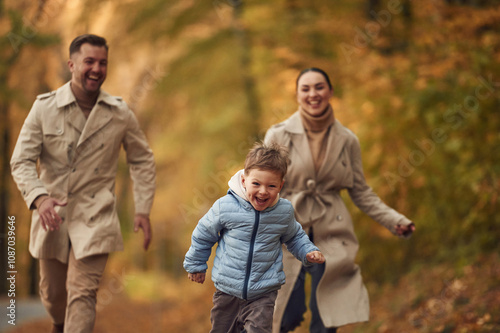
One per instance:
(123,315)
(437,299)
(26,310)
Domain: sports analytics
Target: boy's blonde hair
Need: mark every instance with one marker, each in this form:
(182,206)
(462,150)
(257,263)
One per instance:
(271,157)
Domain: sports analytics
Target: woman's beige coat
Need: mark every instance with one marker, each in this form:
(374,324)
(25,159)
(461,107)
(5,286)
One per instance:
(78,161)
(341,294)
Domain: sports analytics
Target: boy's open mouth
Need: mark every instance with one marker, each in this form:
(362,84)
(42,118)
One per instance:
(261,201)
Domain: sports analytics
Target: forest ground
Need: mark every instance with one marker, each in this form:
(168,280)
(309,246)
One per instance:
(430,299)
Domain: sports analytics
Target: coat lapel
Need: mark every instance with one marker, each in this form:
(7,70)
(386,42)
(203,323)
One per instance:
(76,119)
(300,144)
(98,118)
(66,99)
(100,115)
(334,146)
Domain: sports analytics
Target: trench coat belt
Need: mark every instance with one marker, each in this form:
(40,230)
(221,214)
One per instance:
(304,214)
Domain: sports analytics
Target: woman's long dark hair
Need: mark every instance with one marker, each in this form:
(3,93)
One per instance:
(317,70)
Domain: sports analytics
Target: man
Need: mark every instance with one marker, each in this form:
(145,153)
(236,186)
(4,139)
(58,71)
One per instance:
(75,134)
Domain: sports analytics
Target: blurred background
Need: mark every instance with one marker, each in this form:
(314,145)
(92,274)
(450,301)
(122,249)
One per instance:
(417,82)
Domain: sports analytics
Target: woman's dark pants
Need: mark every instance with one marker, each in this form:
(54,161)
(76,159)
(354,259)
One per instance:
(296,307)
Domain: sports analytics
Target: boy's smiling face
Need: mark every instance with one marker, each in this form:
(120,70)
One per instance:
(263,187)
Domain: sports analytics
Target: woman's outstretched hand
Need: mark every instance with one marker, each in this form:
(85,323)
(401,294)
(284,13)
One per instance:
(405,230)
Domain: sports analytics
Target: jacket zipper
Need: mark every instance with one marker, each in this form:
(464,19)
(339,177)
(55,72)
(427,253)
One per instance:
(250,254)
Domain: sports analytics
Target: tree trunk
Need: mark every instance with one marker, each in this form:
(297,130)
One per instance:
(372,7)
(253,105)
(8,60)
(4,190)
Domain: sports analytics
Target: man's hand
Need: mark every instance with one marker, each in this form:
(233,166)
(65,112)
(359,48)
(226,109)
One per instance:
(197,277)
(142,221)
(48,216)
(315,257)
(405,230)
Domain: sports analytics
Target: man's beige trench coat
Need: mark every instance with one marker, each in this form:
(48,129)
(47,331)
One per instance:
(78,161)
(341,294)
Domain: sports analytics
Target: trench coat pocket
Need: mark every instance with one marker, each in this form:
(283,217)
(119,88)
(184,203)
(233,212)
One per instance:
(54,140)
(101,206)
(53,128)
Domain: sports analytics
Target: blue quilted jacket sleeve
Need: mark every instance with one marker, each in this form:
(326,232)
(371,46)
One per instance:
(298,243)
(204,237)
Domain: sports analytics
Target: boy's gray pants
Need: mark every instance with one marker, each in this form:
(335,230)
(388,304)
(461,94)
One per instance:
(235,315)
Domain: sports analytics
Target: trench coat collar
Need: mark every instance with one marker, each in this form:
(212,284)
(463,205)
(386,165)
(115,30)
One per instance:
(295,127)
(336,141)
(64,97)
(97,119)
(294,124)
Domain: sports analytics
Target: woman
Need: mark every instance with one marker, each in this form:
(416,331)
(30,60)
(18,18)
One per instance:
(325,158)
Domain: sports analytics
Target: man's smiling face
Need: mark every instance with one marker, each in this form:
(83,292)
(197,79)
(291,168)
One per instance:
(88,68)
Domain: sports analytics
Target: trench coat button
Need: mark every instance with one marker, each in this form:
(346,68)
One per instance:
(59,131)
(339,217)
(311,184)
(73,170)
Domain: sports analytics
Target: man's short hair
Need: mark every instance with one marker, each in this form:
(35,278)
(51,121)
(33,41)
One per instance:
(95,40)
(271,157)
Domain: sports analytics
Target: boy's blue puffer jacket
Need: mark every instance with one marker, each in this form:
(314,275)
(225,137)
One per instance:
(248,259)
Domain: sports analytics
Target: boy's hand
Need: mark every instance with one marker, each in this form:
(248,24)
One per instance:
(197,277)
(315,257)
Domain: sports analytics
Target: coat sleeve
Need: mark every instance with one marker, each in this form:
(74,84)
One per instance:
(141,165)
(297,242)
(205,235)
(25,156)
(368,201)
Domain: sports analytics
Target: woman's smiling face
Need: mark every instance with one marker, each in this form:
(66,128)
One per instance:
(313,93)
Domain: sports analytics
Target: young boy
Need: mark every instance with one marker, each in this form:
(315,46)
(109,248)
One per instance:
(250,223)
